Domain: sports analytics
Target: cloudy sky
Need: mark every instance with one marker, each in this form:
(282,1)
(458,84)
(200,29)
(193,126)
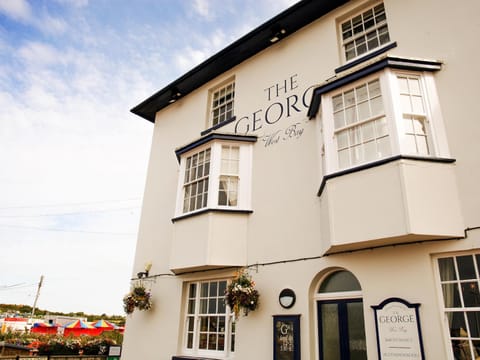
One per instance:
(73,159)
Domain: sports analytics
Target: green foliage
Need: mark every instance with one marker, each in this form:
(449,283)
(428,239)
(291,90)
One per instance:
(139,297)
(68,345)
(241,294)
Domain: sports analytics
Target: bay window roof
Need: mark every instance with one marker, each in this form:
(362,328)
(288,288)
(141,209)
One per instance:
(377,64)
(280,26)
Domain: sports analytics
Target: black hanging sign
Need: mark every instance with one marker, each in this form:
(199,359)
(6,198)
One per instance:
(398,330)
(286,337)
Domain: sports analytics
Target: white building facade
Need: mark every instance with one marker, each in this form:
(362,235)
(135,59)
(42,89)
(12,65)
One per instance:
(332,153)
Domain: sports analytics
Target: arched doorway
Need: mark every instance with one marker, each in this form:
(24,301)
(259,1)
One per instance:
(341,325)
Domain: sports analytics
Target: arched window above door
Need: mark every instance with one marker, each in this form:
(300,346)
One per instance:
(338,281)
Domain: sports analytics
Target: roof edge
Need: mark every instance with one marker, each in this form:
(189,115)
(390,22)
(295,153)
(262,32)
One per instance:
(292,19)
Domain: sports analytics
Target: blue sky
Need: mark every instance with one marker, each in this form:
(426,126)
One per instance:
(73,159)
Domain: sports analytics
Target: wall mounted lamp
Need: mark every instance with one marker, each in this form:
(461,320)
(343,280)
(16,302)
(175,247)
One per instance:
(287,298)
(175,94)
(277,34)
(144,274)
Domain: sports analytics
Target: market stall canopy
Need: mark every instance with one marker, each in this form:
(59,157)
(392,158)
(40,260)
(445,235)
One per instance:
(79,327)
(78,324)
(45,325)
(104,324)
(44,328)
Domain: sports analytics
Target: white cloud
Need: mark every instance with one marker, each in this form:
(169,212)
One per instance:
(40,54)
(20,10)
(50,24)
(16,9)
(74,3)
(202,8)
(187,58)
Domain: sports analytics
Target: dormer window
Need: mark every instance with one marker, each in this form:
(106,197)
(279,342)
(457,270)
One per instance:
(364,32)
(222,105)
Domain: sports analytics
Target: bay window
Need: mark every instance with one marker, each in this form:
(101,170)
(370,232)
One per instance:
(215,173)
(388,108)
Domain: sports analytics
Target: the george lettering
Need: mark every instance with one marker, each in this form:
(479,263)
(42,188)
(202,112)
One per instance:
(280,87)
(268,90)
(293,82)
(244,125)
(277,115)
(291,104)
(396,319)
(278,110)
(305,97)
(256,120)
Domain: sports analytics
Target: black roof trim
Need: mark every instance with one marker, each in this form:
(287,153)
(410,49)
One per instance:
(381,63)
(211,137)
(290,20)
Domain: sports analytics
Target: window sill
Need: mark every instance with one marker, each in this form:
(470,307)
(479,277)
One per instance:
(210,210)
(366,57)
(218,126)
(379,163)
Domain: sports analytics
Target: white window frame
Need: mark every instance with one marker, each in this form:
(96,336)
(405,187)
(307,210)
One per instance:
(361,12)
(462,309)
(394,115)
(229,317)
(244,176)
(204,178)
(217,120)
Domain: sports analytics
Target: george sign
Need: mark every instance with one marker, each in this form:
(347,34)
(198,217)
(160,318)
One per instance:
(286,337)
(398,330)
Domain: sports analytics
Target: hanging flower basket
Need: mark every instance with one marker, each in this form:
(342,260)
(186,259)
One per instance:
(138,297)
(241,294)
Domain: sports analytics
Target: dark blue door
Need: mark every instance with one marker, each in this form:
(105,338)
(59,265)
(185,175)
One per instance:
(341,330)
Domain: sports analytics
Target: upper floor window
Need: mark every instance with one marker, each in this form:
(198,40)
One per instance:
(222,105)
(360,124)
(209,324)
(364,32)
(388,112)
(229,171)
(197,170)
(414,114)
(215,173)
